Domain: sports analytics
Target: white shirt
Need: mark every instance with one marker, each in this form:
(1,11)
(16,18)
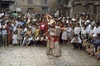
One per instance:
(28,15)
(80,22)
(87,21)
(67,21)
(93,22)
(88,28)
(69,29)
(91,32)
(83,31)
(74,40)
(30,38)
(77,30)
(14,28)
(98,29)
(95,30)
(25,29)
(15,37)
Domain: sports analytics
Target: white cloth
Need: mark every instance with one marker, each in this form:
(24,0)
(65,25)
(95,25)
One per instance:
(25,29)
(37,38)
(28,15)
(95,30)
(42,38)
(87,21)
(93,22)
(80,21)
(74,40)
(69,30)
(63,19)
(88,28)
(30,38)
(77,30)
(98,29)
(30,26)
(15,38)
(28,20)
(52,31)
(91,32)
(64,34)
(33,30)
(14,28)
(57,14)
(67,21)
(0,25)
(83,31)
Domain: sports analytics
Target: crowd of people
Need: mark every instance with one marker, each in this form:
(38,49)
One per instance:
(82,32)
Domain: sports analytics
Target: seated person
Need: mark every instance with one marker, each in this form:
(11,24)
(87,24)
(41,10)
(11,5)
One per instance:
(37,41)
(27,40)
(77,42)
(97,54)
(85,44)
(43,41)
(90,50)
(96,42)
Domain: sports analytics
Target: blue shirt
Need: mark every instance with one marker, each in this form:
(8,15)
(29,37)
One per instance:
(96,42)
(4,32)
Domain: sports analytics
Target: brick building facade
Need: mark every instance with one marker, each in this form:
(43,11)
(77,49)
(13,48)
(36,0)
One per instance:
(42,6)
(73,8)
(91,7)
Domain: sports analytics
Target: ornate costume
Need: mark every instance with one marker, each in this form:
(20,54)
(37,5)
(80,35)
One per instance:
(53,47)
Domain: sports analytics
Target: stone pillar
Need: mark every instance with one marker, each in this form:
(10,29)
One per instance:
(97,14)
(11,6)
(71,12)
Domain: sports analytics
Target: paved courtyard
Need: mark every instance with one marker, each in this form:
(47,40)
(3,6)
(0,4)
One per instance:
(36,56)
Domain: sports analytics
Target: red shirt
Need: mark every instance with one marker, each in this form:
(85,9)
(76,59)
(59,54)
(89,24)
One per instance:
(42,26)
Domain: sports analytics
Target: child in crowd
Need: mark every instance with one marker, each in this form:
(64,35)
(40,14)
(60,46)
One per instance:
(20,32)
(15,38)
(33,29)
(69,33)
(25,41)
(83,32)
(29,34)
(37,36)
(64,34)
(4,36)
(77,29)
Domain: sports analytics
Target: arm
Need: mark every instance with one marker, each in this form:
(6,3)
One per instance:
(73,40)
